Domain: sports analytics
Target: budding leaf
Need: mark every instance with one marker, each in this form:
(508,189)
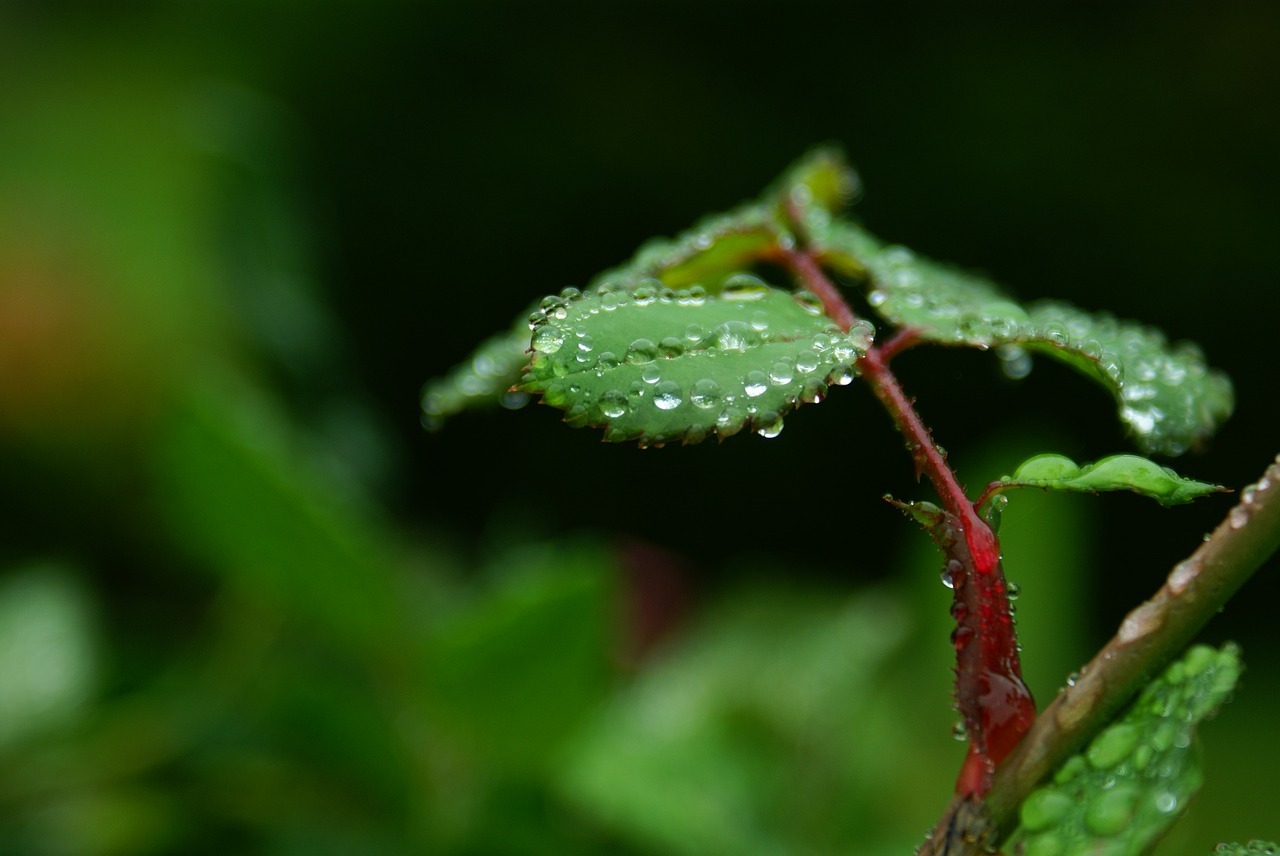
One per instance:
(484,380)
(659,366)
(1136,777)
(714,249)
(1118,472)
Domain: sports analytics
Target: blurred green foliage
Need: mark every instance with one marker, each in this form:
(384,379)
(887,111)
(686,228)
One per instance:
(245,607)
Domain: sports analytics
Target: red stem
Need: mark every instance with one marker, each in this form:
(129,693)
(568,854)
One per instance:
(996,704)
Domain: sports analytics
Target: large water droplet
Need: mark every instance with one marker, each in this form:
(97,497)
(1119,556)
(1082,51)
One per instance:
(548,339)
(650,374)
(705,393)
(769,425)
(642,351)
(1015,362)
(666,395)
(782,372)
(743,287)
(808,301)
(613,404)
(755,383)
(730,421)
(736,336)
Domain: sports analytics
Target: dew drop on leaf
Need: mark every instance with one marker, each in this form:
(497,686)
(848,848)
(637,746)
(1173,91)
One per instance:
(641,351)
(613,404)
(755,383)
(548,340)
(705,393)
(666,395)
(769,425)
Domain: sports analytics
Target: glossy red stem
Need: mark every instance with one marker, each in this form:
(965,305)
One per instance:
(993,699)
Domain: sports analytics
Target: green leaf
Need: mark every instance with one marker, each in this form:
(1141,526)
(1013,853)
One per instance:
(657,365)
(1121,794)
(1253,848)
(713,250)
(1167,396)
(1118,472)
(809,192)
(941,303)
(484,380)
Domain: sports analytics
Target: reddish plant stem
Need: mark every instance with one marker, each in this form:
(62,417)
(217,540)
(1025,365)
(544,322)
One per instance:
(992,697)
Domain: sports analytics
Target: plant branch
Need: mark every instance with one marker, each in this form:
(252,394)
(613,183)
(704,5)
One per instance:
(1150,637)
(993,699)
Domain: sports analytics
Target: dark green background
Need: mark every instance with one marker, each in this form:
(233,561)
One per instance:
(235,239)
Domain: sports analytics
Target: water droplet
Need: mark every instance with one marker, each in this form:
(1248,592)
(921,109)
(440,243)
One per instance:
(1015,362)
(1182,575)
(670,347)
(1239,517)
(641,351)
(736,336)
(1073,678)
(961,636)
(666,395)
(950,571)
(548,339)
(806,362)
(644,295)
(697,295)
(586,344)
(877,297)
(613,404)
(842,375)
(570,293)
(705,393)
(760,320)
(742,287)
(755,383)
(1166,802)
(650,374)
(693,332)
(808,301)
(769,425)
(637,392)
(730,421)
(959,732)
(813,391)
(1014,592)
(782,372)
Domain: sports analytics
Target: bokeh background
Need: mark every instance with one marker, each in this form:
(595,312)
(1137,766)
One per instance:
(248,605)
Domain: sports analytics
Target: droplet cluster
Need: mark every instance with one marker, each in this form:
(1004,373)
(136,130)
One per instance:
(658,364)
(1169,398)
(1137,775)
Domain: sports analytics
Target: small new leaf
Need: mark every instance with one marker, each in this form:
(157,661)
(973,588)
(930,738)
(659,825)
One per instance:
(1118,472)
(659,366)
(1136,777)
